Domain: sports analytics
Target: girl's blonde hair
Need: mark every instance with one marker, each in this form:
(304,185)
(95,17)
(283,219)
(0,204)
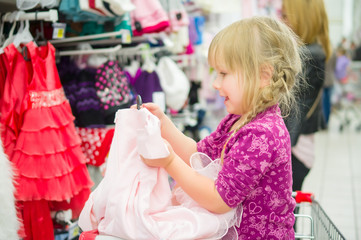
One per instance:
(309,20)
(248,46)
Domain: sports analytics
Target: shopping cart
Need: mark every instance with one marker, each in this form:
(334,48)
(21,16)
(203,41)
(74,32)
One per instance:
(312,221)
(346,98)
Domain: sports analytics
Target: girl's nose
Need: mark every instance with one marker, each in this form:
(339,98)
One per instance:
(216,84)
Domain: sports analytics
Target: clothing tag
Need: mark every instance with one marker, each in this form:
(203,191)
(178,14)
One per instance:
(138,26)
(59,30)
(166,40)
(179,16)
(74,231)
(159,99)
(126,37)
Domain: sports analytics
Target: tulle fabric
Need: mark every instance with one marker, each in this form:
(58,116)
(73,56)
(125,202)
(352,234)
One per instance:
(134,201)
(206,166)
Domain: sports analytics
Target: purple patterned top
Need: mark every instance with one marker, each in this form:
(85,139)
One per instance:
(256,173)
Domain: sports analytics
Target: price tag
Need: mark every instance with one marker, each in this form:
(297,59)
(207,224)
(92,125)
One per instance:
(126,37)
(74,231)
(159,99)
(59,30)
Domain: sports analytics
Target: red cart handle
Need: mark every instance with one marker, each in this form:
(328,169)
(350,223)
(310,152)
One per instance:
(302,196)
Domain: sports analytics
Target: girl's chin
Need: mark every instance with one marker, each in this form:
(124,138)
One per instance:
(232,110)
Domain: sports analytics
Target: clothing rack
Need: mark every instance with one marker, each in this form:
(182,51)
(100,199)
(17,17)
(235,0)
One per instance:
(51,16)
(71,41)
(74,40)
(90,51)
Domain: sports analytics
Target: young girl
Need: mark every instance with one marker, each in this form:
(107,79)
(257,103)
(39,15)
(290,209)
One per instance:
(257,61)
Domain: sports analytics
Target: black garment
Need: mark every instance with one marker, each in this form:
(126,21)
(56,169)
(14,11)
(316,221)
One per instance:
(357,56)
(89,111)
(297,123)
(314,75)
(299,171)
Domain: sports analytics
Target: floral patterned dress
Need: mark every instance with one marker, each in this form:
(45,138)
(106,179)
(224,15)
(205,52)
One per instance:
(256,173)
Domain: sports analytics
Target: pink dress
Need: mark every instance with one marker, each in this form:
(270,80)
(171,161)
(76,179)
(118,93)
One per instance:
(40,139)
(133,201)
(47,152)
(16,74)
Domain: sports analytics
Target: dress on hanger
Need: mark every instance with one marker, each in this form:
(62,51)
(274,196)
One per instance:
(14,72)
(18,73)
(51,169)
(48,137)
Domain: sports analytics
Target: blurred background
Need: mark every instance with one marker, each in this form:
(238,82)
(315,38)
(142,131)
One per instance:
(335,179)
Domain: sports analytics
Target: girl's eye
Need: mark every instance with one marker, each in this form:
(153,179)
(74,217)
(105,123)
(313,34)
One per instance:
(223,74)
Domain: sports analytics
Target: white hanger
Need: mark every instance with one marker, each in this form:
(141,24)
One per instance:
(2,37)
(13,17)
(23,36)
(149,61)
(133,67)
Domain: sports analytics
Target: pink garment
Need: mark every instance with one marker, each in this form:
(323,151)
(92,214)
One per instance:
(133,201)
(148,17)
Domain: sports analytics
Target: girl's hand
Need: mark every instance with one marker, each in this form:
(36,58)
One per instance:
(155,110)
(161,162)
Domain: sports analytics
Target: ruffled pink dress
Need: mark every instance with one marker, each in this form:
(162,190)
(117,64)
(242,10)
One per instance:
(40,138)
(134,201)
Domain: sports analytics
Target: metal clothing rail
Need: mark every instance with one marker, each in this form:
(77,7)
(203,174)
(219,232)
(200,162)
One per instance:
(90,51)
(88,37)
(51,16)
(91,39)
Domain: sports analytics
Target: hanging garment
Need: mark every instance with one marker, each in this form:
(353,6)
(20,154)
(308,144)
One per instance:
(146,84)
(9,223)
(19,73)
(148,17)
(95,144)
(133,201)
(178,16)
(88,109)
(48,136)
(113,89)
(52,174)
(174,83)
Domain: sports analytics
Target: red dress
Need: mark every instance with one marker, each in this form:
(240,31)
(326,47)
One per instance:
(16,72)
(52,173)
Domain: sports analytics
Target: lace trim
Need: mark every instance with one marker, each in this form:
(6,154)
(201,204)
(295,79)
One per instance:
(40,99)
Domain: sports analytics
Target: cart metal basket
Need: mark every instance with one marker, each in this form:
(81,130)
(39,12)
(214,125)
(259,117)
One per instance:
(312,221)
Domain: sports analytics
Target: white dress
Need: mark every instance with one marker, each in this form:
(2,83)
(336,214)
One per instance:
(133,201)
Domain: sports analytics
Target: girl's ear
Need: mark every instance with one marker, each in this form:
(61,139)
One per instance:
(266,75)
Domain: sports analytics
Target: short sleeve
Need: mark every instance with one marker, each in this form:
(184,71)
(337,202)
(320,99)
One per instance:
(212,145)
(247,159)
(207,144)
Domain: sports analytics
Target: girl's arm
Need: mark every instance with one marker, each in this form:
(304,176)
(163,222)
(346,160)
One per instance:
(198,187)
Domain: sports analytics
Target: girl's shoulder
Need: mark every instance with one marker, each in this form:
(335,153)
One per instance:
(227,122)
(269,122)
